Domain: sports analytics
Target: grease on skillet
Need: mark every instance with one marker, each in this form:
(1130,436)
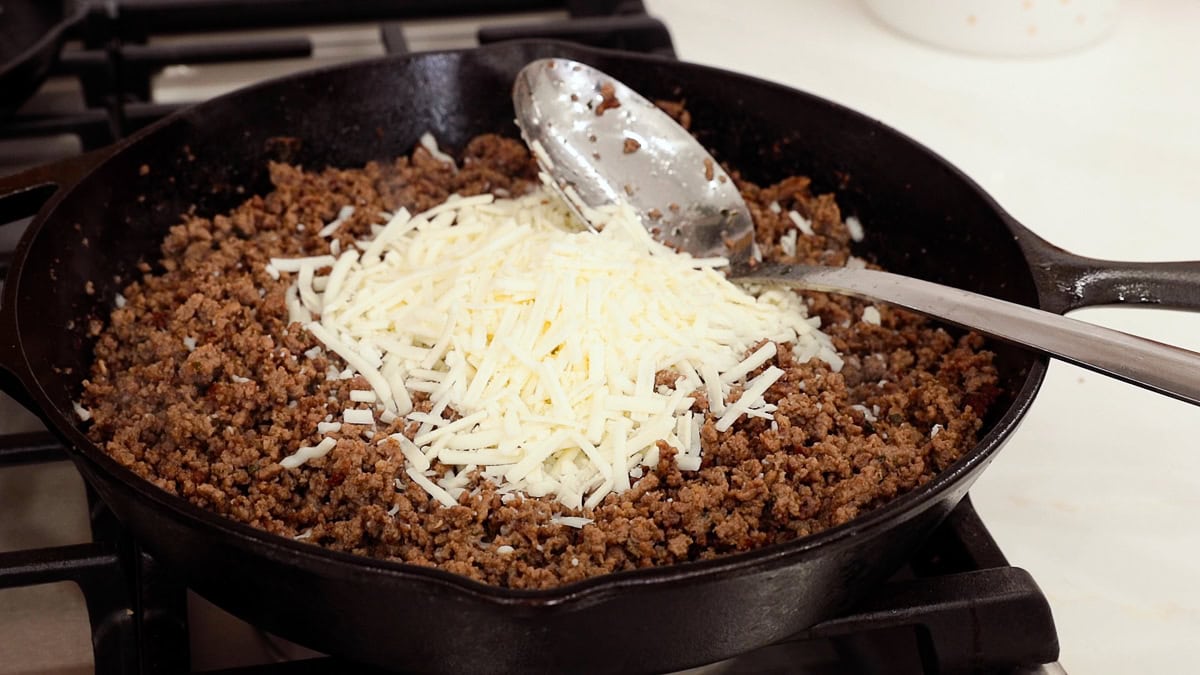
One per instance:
(201,387)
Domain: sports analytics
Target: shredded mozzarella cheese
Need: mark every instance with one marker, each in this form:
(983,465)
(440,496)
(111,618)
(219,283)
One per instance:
(855,228)
(430,144)
(343,215)
(306,453)
(802,224)
(353,416)
(546,339)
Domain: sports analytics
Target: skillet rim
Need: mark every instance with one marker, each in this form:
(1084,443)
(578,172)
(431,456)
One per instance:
(594,589)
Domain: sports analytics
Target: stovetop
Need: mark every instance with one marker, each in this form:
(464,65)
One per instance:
(958,607)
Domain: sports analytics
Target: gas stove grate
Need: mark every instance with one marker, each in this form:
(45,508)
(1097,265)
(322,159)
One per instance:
(114,61)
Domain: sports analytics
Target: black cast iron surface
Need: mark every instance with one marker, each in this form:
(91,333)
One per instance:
(924,219)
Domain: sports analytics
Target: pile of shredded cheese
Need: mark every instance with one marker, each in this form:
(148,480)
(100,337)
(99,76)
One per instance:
(545,339)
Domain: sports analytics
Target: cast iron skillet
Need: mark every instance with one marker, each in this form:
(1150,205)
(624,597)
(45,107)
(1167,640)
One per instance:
(923,218)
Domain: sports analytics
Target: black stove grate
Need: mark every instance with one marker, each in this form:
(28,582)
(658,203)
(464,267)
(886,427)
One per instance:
(958,607)
(114,62)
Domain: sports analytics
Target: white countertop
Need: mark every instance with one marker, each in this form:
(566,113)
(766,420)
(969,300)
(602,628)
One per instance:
(1099,152)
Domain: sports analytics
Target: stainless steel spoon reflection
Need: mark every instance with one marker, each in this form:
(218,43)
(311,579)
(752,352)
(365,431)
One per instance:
(600,142)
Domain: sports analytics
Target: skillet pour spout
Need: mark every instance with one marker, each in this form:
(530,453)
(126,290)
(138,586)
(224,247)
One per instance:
(97,225)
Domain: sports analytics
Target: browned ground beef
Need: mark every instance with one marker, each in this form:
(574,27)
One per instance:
(211,423)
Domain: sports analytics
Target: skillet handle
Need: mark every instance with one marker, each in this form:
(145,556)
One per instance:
(1067,281)
(22,195)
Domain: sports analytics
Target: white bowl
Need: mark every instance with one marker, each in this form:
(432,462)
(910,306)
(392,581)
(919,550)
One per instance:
(1000,27)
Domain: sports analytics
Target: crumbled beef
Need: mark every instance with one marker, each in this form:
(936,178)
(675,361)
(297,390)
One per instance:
(200,385)
(608,99)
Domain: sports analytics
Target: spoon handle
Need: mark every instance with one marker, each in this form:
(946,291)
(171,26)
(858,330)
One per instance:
(1146,363)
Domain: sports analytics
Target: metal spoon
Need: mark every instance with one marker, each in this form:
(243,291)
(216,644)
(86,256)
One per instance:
(599,142)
